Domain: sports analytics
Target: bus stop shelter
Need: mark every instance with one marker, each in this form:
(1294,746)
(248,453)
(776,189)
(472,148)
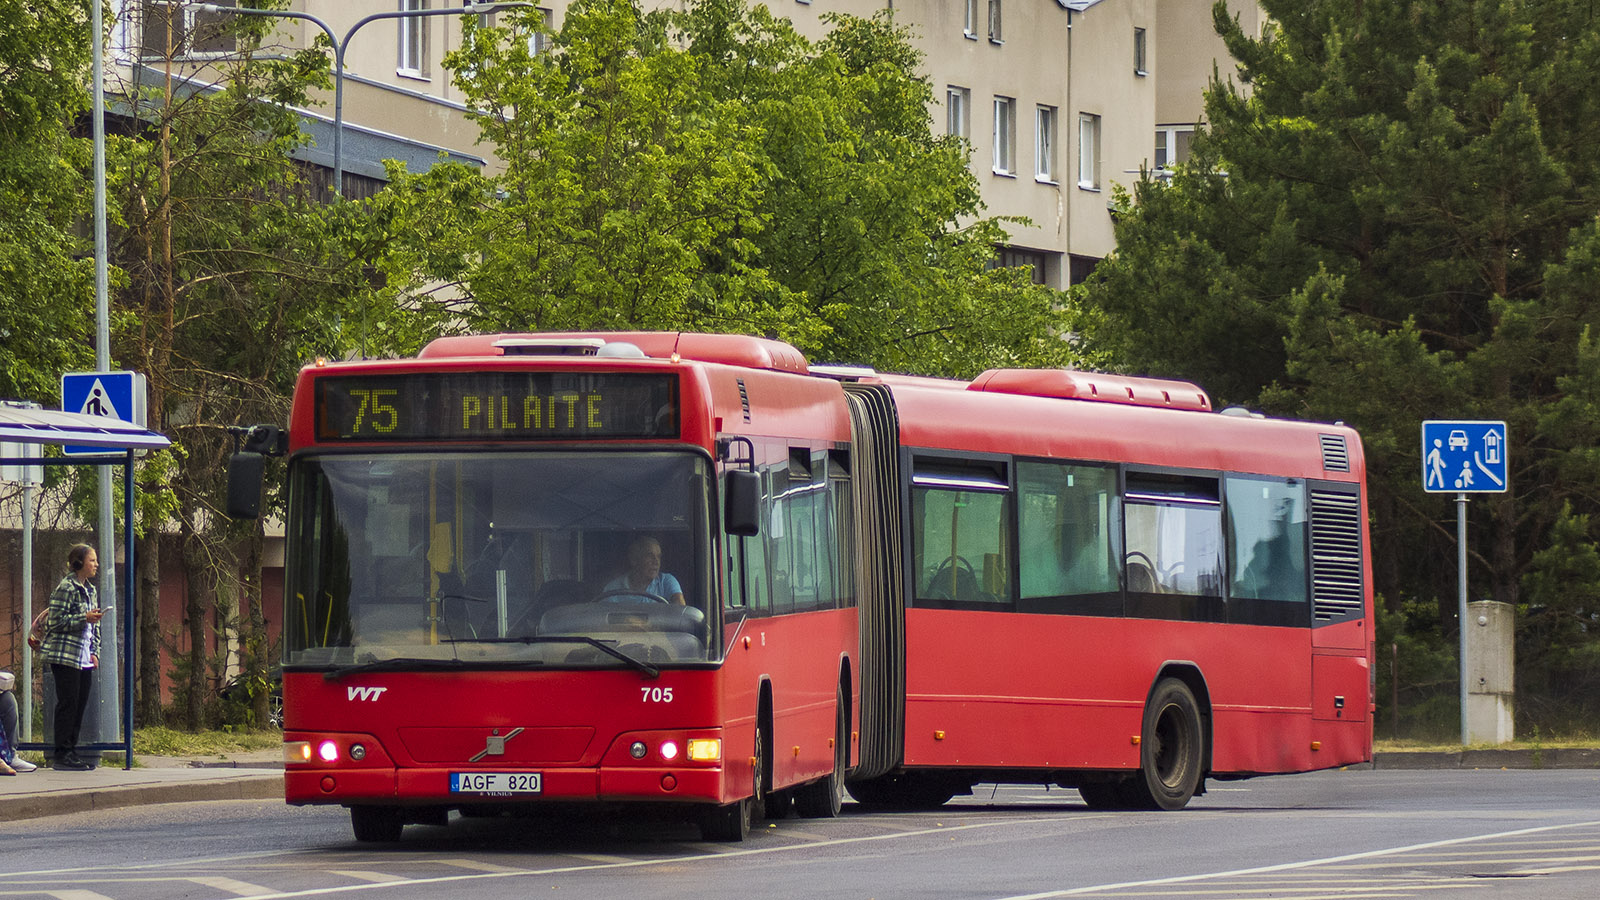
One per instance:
(119,441)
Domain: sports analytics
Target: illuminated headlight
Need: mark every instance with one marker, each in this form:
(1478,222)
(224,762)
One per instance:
(669,749)
(705,749)
(638,750)
(297,752)
(358,752)
(328,751)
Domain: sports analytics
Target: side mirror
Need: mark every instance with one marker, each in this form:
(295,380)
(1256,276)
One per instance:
(741,503)
(245,471)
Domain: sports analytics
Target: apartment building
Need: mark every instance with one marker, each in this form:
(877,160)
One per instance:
(1062,100)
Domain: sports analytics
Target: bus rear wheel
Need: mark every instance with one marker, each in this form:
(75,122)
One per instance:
(1171,751)
(376,824)
(823,799)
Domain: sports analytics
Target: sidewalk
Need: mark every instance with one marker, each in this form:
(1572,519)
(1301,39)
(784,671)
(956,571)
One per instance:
(258,775)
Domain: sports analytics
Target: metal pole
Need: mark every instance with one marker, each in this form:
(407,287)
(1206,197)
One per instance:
(339,48)
(25,689)
(104,720)
(130,613)
(1461,603)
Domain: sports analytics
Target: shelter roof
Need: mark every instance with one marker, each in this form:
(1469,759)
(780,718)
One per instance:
(49,426)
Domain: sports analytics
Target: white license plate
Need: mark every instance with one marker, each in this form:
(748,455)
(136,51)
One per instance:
(495,783)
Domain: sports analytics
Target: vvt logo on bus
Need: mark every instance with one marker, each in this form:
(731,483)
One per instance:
(364,693)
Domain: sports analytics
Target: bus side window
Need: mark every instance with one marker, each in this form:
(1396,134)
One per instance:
(962,536)
(1069,537)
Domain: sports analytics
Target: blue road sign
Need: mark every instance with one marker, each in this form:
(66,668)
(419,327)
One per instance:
(1464,457)
(115,395)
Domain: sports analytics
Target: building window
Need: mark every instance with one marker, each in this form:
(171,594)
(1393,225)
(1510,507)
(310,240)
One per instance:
(1044,143)
(1139,52)
(1089,151)
(170,28)
(958,105)
(1005,130)
(1038,261)
(1172,146)
(971,28)
(995,36)
(413,40)
(539,40)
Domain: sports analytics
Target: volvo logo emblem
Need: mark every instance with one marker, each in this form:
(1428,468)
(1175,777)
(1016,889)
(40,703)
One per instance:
(496,744)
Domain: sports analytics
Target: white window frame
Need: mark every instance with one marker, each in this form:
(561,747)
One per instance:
(1088,151)
(132,32)
(995,34)
(411,57)
(1141,52)
(1005,136)
(1166,147)
(1044,143)
(970,29)
(958,111)
(539,41)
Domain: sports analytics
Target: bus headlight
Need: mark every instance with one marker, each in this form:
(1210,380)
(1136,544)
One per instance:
(328,751)
(669,750)
(296,752)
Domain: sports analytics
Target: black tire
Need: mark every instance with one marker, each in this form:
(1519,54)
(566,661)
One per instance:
(824,798)
(376,824)
(904,791)
(1171,751)
(1103,795)
(731,823)
(778,805)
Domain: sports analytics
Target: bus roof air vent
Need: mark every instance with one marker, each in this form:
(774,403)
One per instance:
(1071,384)
(551,346)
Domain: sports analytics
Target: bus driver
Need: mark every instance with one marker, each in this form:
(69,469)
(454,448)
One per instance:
(644,575)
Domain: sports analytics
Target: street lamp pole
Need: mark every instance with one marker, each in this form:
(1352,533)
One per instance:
(339,48)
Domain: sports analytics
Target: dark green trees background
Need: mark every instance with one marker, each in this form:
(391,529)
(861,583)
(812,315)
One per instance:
(1390,216)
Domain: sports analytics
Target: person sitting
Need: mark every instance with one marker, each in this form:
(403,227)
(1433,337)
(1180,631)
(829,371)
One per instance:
(644,576)
(10,762)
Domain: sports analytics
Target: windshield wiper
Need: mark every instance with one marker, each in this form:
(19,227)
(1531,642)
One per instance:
(392,664)
(602,646)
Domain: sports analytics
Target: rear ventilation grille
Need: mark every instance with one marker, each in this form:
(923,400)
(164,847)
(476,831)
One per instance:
(1336,587)
(1335,455)
(744,399)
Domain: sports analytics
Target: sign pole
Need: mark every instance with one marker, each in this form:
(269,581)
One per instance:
(1461,603)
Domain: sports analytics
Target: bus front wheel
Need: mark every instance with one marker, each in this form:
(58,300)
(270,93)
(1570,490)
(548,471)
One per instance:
(376,824)
(1171,751)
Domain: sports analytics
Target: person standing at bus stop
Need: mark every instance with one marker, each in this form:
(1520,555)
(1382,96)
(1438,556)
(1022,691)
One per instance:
(72,648)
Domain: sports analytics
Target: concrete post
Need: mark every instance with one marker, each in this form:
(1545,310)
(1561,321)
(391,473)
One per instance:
(1491,676)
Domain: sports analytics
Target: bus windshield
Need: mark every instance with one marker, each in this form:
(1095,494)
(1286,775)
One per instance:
(490,559)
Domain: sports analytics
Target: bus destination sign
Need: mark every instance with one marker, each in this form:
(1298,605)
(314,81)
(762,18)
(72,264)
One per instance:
(500,406)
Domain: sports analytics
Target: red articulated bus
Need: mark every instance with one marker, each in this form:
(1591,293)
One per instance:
(692,571)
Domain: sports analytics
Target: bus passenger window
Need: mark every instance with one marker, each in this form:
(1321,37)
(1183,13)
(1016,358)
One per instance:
(962,547)
(1174,536)
(1069,534)
(1267,540)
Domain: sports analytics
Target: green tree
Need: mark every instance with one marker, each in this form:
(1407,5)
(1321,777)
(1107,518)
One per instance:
(46,284)
(711,169)
(234,276)
(1389,217)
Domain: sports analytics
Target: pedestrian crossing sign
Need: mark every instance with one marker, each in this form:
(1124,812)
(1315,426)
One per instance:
(114,395)
(1464,457)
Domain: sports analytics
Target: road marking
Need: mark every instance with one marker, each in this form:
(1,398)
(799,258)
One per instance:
(709,854)
(367,876)
(475,865)
(231,885)
(1287,867)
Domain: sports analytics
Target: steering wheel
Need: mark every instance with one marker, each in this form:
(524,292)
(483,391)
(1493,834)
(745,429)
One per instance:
(629,592)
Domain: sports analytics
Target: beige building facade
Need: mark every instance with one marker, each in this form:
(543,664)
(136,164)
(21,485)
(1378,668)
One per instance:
(1061,100)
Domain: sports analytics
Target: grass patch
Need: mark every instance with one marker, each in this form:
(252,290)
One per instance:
(167,742)
(1569,742)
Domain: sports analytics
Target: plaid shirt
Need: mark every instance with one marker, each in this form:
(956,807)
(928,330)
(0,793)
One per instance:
(70,603)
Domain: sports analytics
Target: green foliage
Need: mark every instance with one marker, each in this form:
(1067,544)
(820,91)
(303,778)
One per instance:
(1394,222)
(46,283)
(710,169)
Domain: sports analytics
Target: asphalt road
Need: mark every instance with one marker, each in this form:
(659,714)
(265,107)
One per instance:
(1374,834)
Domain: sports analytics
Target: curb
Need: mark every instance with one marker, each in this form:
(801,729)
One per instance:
(1557,758)
(57,803)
